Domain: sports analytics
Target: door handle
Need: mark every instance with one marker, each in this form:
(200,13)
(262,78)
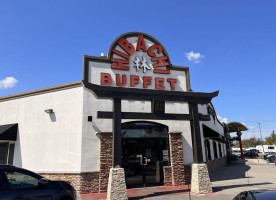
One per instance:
(143,161)
(146,161)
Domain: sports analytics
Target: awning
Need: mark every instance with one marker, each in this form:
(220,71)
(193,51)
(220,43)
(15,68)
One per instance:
(8,132)
(211,134)
(236,126)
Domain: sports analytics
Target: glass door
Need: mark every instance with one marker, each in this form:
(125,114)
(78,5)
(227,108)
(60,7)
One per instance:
(153,162)
(143,161)
(132,162)
(144,153)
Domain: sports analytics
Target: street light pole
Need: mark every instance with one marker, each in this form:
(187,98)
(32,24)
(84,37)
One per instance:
(261,137)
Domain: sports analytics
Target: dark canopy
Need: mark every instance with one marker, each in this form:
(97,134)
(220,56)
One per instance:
(209,133)
(236,126)
(8,132)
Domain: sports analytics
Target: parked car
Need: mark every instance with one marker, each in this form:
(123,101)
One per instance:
(18,183)
(250,154)
(267,154)
(257,195)
(271,158)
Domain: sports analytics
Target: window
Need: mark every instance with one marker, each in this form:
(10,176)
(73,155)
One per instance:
(207,150)
(19,180)
(144,130)
(270,147)
(215,149)
(6,153)
(220,152)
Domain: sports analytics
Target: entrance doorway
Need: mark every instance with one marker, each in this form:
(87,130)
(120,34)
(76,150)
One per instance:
(145,150)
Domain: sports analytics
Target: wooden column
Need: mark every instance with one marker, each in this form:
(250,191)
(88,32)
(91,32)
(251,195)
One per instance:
(117,133)
(196,137)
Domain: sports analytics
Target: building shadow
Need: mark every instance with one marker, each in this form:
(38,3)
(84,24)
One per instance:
(156,194)
(17,158)
(234,170)
(220,188)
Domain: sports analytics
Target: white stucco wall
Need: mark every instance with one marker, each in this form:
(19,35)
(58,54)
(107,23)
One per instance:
(90,139)
(47,142)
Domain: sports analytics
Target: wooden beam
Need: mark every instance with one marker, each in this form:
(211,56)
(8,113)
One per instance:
(117,133)
(149,94)
(138,115)
(196,136)
(157,116)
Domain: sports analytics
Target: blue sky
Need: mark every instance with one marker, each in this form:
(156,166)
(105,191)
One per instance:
(42,44)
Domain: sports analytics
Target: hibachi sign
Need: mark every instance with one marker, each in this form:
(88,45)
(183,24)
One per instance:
(135,60)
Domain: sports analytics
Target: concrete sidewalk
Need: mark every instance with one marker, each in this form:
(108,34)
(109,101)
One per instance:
(227,182)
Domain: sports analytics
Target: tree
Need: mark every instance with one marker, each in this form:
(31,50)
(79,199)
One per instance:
(252,142)
(271,139)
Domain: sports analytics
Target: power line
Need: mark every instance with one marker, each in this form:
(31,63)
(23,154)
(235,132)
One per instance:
(265,120)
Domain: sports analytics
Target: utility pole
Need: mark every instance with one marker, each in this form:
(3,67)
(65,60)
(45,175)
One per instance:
(261,137)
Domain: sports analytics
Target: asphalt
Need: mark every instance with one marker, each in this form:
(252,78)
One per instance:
(227,182)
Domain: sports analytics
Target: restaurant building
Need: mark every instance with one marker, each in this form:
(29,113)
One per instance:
(133,98)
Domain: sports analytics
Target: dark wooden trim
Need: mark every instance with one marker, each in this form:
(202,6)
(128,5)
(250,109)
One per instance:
(187,75)
(86,60)
(149,94)
(204,117)
(138,115)
(117,133)
(197,145)
(188,80)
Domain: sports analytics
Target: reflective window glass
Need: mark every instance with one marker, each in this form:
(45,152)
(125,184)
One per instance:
(18,180)
(144,130)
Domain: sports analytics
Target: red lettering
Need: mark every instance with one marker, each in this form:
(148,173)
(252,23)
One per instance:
(161,71)
(120,53)
(161,62)
(120,65)
(118,82)
(105,79)
(134,80)
(159,83)
(172,82)
(129,48)
(156,46)
(146,81)
(141,43)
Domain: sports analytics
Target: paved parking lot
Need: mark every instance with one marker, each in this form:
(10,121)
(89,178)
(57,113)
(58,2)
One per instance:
(250,174)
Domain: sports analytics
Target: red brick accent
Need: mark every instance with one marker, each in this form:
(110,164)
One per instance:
(105,159)
(177,163)
(167,175)
(83,183)
(89,182)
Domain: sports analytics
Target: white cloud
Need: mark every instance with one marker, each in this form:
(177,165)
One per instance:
(8,82)
(249,127)
(225,120)
(193,56)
